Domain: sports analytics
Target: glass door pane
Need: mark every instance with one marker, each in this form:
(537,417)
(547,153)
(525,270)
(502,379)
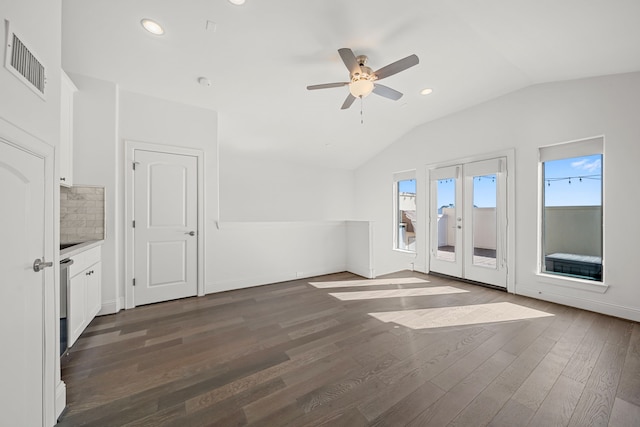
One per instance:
(445,220)
(446,231)
(484,221)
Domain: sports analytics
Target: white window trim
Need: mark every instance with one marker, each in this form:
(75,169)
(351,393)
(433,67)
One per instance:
(575,148)
(397,177)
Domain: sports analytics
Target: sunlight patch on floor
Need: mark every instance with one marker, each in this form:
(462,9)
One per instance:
(461,315)
(397,293)
(368,282)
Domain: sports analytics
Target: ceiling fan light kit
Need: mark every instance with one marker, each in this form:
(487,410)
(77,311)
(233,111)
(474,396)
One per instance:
(362,79)
(361,88)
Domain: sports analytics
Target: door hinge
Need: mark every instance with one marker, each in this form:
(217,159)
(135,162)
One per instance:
(133,223)
(134,282)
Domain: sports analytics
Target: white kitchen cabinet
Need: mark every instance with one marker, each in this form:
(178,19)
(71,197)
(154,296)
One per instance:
(85,291)
(67,89)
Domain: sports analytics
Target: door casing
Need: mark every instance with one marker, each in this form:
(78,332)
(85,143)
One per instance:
(130,147)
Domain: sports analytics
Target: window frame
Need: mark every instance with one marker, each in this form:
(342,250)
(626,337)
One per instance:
(566,150)
(397,178)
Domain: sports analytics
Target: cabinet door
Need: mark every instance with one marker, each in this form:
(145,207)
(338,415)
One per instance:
(94,291)
(76,311)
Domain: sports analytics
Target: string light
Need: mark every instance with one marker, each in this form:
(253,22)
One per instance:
(491,177)
(569,178)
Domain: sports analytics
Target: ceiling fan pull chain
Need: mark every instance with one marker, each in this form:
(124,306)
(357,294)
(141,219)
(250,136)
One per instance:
(361,114)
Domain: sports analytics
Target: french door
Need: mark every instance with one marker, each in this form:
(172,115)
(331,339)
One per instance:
(468,222)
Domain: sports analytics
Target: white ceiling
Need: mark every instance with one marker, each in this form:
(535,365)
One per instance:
(262,55)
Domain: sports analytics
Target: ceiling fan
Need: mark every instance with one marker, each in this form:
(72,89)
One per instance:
(363,80)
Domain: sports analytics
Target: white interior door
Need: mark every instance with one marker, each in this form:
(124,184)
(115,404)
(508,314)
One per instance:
(22,190)
(468,226)
(165,232)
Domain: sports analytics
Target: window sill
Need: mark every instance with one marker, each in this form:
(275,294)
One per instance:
(569,282)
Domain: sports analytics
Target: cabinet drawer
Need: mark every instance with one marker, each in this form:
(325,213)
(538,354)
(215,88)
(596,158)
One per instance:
(84,260)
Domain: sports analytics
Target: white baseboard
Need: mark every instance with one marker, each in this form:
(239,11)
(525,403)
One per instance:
(367,273)
(61,398)
(111,307)
(247,282)
(420,268)
(584,304)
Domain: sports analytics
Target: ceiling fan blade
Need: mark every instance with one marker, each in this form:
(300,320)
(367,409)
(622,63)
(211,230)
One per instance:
(347,102)
(396,67)
(386,92)
(349,60)
(327,85)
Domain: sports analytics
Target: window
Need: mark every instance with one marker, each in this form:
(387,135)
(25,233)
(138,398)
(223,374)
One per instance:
(572,207)
(405,211)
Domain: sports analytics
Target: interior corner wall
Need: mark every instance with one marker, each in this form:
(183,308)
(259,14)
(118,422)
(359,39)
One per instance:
(144,118)
(539,115)
(260,188)
(279,221)
(95,162)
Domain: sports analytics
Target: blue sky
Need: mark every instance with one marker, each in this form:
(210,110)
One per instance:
(587,192)
(557,173)
(407,186)
(484,192)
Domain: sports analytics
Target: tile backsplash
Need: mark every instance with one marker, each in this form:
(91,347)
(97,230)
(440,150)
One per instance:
(81,214)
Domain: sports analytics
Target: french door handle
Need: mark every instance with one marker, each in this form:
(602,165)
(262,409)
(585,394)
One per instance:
(40,264)
(191,233)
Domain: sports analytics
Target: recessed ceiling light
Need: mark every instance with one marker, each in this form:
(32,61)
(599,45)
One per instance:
(152,26)
(426,91)
(238,2)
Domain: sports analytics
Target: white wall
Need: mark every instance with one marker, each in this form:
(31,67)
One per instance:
(255,253)
(278,221)
(525,120)
(359,248)
(146,119)
(95,163)
(566,229)
(484,228)
(258,188)
(38,23)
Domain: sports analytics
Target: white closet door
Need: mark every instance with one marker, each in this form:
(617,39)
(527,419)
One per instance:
(166,221)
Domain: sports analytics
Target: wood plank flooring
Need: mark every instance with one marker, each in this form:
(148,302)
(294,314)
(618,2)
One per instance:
(293,354)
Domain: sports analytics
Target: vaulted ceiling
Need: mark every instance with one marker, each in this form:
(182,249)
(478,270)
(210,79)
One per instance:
(261,56)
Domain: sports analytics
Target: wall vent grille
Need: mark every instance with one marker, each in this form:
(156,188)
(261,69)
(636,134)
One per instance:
(24,64)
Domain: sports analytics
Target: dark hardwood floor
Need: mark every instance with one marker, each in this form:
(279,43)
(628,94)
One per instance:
(406,349)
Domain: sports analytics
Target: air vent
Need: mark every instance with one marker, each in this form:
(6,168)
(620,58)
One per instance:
(23,63)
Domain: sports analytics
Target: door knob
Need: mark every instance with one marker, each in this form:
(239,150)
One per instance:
(191,233)
(40,264)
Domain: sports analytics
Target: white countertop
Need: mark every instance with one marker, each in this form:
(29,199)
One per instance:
(81,247)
